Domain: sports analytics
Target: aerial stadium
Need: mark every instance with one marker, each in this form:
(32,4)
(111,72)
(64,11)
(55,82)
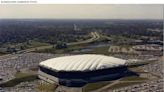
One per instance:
(77,70)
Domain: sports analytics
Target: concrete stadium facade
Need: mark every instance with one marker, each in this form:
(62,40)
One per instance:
(79,78)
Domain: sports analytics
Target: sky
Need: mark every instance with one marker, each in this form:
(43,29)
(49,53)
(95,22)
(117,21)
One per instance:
(81,11)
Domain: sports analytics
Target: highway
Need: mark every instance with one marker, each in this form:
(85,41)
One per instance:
(95,36)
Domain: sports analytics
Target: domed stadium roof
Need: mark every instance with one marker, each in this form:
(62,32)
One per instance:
(85,62)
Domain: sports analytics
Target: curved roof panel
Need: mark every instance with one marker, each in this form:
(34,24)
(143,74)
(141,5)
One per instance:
(85,62)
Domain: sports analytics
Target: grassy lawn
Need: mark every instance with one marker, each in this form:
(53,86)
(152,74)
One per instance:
(25,45)
(46,87)
(94,86)
(122,84)
(136,69)
(50,50)
(34,68)
(127,81)
(20,74)
(37,44)
(19,77)
(100,50)
(133,78)
(61,51)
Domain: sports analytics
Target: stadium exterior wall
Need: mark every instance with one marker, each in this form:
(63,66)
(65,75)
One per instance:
(80,78)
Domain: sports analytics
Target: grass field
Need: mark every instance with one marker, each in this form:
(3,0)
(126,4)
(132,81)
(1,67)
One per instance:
(23,47)
(34,69)
(19,77)
(30,44)
(93,86)
(46,87)
(138,69)
(127,81)
(133,78)
(64,50)
(100,50)
(122,84)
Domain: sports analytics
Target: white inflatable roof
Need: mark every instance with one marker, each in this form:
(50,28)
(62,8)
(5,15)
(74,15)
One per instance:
(85,62)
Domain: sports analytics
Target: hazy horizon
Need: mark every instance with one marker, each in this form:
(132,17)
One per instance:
(68,19)
(82,11)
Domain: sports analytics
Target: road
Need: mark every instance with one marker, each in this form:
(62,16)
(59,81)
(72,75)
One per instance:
(95,36)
